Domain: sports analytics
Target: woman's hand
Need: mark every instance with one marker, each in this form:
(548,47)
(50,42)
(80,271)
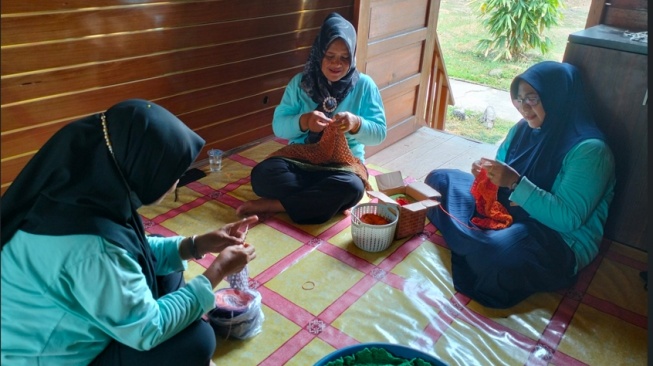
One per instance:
(314,121)
(230,260)
(347,122)
(216,241)
(476,167)
(499,173)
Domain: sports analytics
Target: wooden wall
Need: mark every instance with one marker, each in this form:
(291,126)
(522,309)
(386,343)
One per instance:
(220,65)
(631,15)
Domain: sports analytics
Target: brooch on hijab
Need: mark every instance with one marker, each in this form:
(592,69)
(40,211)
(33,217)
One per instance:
(329,104)
(106,132)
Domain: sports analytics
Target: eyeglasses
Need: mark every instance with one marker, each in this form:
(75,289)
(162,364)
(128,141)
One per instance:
(531,101)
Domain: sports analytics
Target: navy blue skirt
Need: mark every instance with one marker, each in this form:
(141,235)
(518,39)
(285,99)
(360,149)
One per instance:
(497,268)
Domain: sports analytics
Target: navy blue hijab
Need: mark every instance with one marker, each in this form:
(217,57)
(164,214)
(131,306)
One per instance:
(538,153)
(75,185)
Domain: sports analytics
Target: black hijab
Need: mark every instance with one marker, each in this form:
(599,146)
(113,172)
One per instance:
(328,95)
(76,185)
(538,153)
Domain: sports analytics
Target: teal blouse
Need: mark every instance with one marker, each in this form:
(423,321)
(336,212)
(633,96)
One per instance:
(577,206)
(364,101)
(64,298)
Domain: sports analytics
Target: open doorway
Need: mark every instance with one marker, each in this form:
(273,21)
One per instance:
(483,109)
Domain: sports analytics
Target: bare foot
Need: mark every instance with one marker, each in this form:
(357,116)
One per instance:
(259,206)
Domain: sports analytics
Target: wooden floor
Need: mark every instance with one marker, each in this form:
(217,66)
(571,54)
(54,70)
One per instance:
(427,149)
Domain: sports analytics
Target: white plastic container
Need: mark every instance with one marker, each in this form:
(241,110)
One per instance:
(374,238)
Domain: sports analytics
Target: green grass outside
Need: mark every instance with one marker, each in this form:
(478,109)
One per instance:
(459,30)
(472,127)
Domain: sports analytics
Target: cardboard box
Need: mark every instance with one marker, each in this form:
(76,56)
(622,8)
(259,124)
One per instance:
(411,216)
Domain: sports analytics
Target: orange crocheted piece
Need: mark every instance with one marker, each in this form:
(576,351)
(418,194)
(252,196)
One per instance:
(332,151)
(493,214)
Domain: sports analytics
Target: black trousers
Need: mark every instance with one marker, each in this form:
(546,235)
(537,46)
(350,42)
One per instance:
(308,196)
(192,346)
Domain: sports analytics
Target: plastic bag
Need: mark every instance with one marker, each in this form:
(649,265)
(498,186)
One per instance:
(241,318)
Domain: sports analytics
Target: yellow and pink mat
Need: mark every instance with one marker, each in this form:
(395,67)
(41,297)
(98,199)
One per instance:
(321,293)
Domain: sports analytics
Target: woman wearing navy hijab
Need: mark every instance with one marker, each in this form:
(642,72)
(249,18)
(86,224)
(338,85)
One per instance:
(555,175)
(81,282)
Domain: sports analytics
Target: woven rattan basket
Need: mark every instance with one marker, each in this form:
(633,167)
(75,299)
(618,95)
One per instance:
(373,238)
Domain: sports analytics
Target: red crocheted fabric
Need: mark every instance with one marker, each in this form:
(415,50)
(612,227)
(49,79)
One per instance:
(492,213)
(330,151)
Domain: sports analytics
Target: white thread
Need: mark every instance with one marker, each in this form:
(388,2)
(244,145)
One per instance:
(637,36)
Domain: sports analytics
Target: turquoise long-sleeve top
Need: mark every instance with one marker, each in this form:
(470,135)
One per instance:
(577,206)
(364,101)
(64,298)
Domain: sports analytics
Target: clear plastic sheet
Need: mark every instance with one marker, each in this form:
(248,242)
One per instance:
(320,293)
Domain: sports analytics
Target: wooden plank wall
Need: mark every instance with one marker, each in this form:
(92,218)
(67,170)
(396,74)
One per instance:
(220,65)
(631,15)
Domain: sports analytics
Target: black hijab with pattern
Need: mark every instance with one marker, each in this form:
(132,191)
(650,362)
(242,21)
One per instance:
(76,185)
(328,95)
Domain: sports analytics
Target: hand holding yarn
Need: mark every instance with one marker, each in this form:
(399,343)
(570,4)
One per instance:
(232,259)
(499,173)
(239,229)
(230,234)
(476,167)
(238,312)
(314,121)
(240,280)
(347,122)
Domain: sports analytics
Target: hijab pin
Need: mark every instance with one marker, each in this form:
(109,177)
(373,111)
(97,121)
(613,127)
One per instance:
(329,104)
(105,131)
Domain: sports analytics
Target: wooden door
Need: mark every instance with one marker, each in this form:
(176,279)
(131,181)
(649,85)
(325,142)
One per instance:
(396,42)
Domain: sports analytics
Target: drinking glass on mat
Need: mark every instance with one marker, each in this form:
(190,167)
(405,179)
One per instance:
(215,160)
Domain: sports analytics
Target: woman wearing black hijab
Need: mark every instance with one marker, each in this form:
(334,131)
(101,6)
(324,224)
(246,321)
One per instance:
(329,93)
(81,282)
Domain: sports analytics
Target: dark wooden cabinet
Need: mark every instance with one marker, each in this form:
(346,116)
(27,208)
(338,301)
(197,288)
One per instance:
(615,74)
